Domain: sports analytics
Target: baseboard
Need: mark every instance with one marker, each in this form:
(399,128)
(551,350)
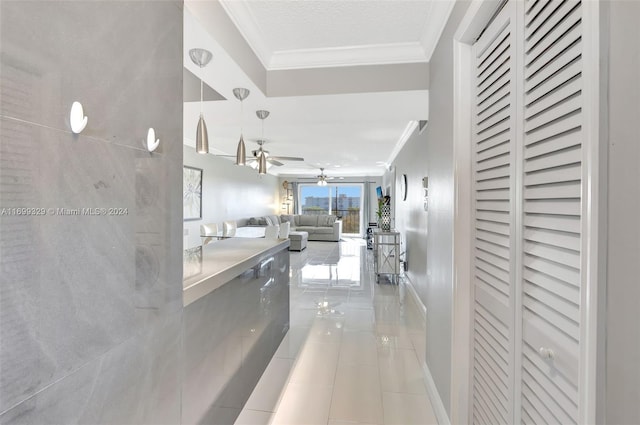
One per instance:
(415,298)
(436,402)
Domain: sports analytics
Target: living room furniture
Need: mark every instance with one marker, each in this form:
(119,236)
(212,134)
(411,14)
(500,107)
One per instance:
(208,232)
(321,227)
(386,254)
(285,229)
(271,232)
(229,228)
(298,241)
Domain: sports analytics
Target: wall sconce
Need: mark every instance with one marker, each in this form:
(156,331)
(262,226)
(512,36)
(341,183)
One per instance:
(151,143)
(77,119)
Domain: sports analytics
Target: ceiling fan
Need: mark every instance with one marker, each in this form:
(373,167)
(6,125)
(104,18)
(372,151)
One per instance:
(322,178)
(273,160)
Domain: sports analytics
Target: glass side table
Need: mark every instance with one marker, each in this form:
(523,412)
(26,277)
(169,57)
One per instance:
(386,254)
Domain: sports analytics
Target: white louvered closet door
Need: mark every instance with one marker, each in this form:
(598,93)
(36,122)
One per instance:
(552,210)
(494,249)
(529,122)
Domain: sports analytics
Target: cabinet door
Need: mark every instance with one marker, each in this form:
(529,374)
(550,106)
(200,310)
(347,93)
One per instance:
(494,230)
(552,206)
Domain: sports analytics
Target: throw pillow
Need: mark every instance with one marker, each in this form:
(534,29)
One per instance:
(287,218)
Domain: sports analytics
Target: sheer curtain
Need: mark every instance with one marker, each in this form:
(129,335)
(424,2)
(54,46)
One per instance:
(366,205)
(294,187)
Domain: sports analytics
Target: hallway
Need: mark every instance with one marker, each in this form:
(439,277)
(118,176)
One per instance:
(354,351)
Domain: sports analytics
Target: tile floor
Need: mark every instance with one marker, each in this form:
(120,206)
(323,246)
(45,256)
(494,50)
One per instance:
(352,353)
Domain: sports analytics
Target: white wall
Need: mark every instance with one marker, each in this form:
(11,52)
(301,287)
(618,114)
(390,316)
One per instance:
(623,269)
(429,235)
(229,192)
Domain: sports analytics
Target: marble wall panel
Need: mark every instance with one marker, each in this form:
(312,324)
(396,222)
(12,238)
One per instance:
(138,382)
(117,58)
(90,305)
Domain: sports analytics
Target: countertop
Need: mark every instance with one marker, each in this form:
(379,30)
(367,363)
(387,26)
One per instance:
(211,266)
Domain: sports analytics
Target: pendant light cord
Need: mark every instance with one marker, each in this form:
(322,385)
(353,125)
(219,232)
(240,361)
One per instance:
(201,85)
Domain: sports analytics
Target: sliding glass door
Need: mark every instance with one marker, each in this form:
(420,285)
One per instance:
(341,200)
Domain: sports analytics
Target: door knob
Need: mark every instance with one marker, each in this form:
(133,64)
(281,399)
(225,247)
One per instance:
(546,353)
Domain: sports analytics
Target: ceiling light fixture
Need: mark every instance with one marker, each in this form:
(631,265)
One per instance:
(241,153)
(201,57)
(262,157)
(322,179)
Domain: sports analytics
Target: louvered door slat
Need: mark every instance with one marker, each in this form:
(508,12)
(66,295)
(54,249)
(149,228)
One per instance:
(498,147)
(493,108)
(494,216)
(493,162)
(552,252)
(542,17)
(487,137)
(560,403)
(558,287)
(552,196)
(559,126)
(484,97)
(567,156)
(571,172)
(560,322)
(532,8)
(558,304)
(549,268)
(558,238)
(560,109)
(501,94)
(550,50)
(554,144)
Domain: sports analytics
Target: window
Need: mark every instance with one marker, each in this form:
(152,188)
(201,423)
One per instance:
(341,200)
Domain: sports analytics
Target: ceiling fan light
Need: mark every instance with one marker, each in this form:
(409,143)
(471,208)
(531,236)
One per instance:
(241,153)
(202,137)
(262,165)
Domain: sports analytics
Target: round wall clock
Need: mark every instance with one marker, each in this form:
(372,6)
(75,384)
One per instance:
(403,187)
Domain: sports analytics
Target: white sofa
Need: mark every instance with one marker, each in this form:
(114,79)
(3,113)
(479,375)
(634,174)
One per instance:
(319,227)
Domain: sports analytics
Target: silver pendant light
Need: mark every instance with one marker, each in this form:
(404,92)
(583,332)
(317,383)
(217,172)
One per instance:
(201,57)
(262,164)
(241,153)
(262,159)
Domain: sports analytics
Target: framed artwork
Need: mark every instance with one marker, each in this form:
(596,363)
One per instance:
(191,193)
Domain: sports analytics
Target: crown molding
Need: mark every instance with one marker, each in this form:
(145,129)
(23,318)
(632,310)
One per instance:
(406,134)
(374,54)
(240,14)
(436,22)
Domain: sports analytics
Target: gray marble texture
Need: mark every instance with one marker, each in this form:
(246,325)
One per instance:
(230,335)
(90,306)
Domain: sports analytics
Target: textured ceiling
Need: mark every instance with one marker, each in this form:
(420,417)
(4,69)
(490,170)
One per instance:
(294,25)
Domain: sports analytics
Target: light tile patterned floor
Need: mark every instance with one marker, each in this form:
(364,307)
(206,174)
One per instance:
(354,351)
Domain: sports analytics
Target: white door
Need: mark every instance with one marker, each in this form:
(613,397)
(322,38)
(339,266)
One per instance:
(494,251)
(552,211)
(528,186)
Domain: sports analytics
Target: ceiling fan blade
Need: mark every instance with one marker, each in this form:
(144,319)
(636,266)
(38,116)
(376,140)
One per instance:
(274,162)
(287,158)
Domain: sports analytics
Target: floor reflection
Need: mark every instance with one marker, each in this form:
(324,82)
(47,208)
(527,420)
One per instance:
(354,350)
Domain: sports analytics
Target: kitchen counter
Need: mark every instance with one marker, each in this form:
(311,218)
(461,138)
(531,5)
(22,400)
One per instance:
(236,298)
(208,267)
